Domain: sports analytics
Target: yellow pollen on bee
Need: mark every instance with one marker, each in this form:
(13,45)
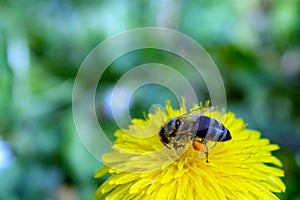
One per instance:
(198,146)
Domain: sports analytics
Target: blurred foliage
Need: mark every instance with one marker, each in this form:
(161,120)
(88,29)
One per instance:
(255,44)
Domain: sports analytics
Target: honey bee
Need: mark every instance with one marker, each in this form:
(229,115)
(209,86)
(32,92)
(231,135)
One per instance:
(196,127)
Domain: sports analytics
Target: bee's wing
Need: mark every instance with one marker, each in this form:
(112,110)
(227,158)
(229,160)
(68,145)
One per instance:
(198,111)
(190,120)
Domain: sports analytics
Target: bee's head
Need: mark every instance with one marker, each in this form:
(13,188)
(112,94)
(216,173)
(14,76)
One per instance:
(169,131)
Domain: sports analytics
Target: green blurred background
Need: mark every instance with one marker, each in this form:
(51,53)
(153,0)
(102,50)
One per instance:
(255,44)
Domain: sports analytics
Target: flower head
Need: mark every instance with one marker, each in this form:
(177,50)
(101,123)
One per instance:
(141,167)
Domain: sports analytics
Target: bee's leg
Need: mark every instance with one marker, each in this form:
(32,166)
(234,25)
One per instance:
(206,154)
(206,151)
(175,146)
(181,140)
(178,145)
(164,144)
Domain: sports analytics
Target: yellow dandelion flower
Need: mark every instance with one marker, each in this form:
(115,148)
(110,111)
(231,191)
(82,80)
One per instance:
(141,167)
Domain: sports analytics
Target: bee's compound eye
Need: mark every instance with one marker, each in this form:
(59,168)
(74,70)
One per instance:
(170,124)
(177,124)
